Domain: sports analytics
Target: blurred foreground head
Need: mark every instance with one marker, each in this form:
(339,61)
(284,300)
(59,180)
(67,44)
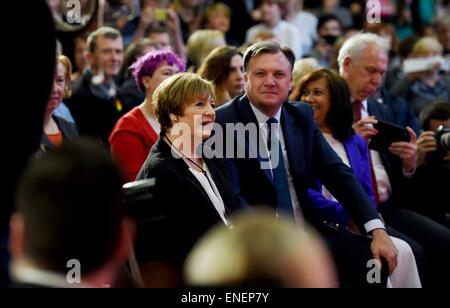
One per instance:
(69,206)
(260,251)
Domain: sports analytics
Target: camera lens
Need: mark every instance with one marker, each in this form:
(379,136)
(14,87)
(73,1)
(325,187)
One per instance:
(442,136)
(445,141)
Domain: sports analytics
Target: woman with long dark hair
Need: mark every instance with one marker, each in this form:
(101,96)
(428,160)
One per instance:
(329,96)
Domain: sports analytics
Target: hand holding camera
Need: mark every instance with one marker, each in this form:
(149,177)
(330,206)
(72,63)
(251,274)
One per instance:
(437,142)
(426,144)
(151,16)
(442,136)
(147,17)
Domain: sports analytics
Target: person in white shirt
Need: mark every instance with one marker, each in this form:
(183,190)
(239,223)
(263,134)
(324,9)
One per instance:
(286,33)
(305,22)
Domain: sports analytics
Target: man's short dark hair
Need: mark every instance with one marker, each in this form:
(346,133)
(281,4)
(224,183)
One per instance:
(327,17)
(71,201)
(267,47)
(107,32)
(435,111)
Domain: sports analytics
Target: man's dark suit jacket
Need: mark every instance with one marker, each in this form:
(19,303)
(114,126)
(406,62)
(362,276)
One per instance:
(186,208)
(309,156)
(392,163)
(95,116)
(402,112)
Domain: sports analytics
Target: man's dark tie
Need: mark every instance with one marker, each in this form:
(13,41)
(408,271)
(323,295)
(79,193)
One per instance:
(279,179)
(357,106)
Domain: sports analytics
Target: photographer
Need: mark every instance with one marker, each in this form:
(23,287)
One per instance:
(431,118)
(158,13)
(433,172)
(329,29)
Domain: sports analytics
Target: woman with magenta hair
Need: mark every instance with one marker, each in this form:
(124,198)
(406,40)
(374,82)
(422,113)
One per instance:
(137,131)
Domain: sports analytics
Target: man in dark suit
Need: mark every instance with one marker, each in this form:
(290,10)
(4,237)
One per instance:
(362,63)
(403,114)
(69,228)
(95,103)
(296,152)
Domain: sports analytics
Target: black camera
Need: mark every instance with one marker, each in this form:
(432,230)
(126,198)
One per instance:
(138,200)
(442,136)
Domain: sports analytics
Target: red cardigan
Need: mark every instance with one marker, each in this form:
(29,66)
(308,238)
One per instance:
(131,141)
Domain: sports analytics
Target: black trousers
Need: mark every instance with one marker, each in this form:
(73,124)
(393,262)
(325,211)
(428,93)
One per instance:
(351,253)
(432,236)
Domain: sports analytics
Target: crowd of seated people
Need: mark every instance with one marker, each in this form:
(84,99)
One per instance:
(277,108)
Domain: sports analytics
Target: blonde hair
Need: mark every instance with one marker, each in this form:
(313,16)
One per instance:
(260,250)
(264,36)
(67,74)
(425,44)
(201,43)
(175,93)
(303,67)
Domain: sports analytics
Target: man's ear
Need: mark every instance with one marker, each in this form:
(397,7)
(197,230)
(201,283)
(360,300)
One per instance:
(146,82)
(90,57)
(16,235)
(346,64)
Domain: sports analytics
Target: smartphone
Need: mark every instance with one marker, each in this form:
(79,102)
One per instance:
(387,134)
(160,14)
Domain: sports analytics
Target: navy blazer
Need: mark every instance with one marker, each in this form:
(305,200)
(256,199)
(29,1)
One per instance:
(186,208)
(403,114)
(392,163)
(309,155)
(331,212)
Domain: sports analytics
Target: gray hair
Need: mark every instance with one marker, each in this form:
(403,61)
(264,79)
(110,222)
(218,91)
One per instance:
(355,46)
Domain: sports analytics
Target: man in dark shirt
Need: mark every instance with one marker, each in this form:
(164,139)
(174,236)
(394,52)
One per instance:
(95,103)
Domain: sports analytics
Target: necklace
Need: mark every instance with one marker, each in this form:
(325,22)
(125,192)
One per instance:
(185,156)
(225,210)
(203,171)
